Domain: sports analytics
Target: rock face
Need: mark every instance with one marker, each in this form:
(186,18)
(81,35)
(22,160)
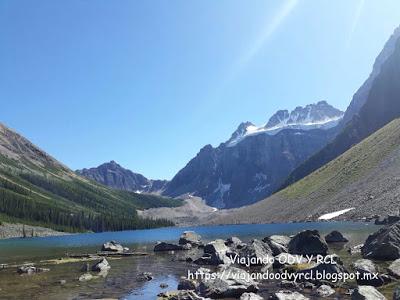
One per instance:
(190,237)
(230,282)
(365,292)
(112,246)
(335,237)
(374,105)
(308,242)
(113,175)
(277,243)
(254,162)
(383,244)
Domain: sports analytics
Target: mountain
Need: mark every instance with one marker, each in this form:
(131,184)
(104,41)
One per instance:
(113,175)
(365,181)
(255,161)
(37,189)
(374,105)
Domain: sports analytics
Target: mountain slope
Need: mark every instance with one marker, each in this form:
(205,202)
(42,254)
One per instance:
(255,161)
(35,188)
(381,105)
(366,178)
(113,175)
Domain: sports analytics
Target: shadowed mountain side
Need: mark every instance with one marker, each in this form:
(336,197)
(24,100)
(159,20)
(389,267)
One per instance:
(366,178)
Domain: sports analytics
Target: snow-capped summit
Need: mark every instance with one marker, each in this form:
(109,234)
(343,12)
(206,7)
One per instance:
(320,115)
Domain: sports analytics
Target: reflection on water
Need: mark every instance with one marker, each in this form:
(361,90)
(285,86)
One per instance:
(122,278)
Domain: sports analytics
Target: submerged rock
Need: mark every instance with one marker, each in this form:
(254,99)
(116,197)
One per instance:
(308,242)
(190,237)
(144,276)
(85,277)
(383,244)
(277,243)
(335,237)
(366,292)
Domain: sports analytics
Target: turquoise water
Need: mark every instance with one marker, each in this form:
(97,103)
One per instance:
(18,248)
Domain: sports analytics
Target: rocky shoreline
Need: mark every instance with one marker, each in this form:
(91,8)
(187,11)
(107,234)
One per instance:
(226,268)
(9,230)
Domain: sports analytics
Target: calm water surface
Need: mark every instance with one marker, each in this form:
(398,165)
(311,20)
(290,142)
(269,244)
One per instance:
(121,281)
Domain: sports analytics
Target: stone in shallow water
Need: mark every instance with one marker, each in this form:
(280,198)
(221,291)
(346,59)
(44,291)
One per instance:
(190,237)
(112,246)
(324,291)
(308,242)
(162,246)
(335,237)
(101,266)
(85,277)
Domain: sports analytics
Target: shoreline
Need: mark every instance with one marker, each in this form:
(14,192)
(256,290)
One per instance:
(16,230)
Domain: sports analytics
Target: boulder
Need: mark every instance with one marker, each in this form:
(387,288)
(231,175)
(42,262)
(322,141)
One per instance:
(335,237)
(214,254)
(366,292)
(85,277)
(256,252)
(180,295)
(326,267)
(190,237)
(162,246)
(250,296)
(101,266)
(234,243)
(364,266)
(287,295)
(383,244)
(394,268)
(112,246)
(396,293)
(355,249)
(229,282)
(144,276)
(29,269)
(277,243)
(187,284)
(324,291)
(286,259)
(308,242)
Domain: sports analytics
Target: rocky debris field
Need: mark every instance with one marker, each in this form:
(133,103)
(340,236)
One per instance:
(233,269)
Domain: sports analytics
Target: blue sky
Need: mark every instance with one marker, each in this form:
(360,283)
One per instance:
(148,83)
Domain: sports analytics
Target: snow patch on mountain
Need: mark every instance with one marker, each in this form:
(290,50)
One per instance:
(313,116)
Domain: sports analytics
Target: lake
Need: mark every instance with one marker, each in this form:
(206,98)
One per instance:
(121,281)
